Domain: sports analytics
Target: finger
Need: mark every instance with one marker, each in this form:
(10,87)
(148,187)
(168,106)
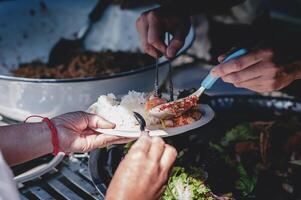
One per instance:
(259,84)
(100,141)
(261,88)
(89,132)
(95,121)
(257,88)
(150,50)
(155,35)
(263,68)
(156,149)
(168,158)
(175,45)
(142,26)
(117,140)
(247,74)
(142,144)
(249,83)
(221,58)
(237,64)
(161,191)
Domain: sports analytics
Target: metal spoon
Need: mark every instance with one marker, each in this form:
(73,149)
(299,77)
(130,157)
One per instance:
(171,96)
(64,49)
(156,84)
(176,108)
(140,120)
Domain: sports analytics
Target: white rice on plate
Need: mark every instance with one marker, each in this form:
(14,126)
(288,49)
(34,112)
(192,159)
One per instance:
(120,112)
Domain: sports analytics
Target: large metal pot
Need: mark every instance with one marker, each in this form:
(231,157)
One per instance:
(29,30)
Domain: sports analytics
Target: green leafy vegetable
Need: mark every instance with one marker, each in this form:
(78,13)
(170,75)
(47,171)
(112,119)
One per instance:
(220,149)
(238,133)
(183,186)
(127,147)
(246,183)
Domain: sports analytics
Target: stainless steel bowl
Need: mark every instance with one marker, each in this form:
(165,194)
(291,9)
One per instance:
(27,32)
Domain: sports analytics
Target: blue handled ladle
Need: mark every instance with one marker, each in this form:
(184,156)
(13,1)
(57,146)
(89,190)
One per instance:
(165,111)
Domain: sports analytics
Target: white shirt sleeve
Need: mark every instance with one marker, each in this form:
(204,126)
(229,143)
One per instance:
(8,188)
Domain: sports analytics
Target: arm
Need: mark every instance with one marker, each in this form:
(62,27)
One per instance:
(23,142)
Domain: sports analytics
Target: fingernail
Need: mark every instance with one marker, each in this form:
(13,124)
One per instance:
(108,124)
(113,125)
(171,52)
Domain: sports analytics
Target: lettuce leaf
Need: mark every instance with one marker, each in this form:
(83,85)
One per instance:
(238,133)
(246,183)
(182,186)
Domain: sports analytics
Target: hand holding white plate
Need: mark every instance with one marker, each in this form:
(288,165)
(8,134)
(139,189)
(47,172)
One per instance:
(207,116)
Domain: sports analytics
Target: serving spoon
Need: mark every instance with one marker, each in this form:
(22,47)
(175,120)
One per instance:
(64,49)
(176,108)
(140,120)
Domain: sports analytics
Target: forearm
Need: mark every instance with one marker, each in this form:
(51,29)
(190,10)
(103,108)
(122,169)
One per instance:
(192,7)
(23,142)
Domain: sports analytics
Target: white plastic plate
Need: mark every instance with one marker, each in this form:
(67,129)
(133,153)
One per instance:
(207,116)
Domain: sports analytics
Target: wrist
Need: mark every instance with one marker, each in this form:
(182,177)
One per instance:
(25,141)
(64,141)
(48,134)
(53,132)
(47,146)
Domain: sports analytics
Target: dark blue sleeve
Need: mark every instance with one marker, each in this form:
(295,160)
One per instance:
(192,7)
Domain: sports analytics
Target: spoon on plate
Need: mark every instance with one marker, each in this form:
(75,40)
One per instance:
(140,120)
(176,108)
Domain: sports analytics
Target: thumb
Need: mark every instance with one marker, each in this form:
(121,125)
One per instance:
(93,141)
(95,121)
(175,45)
(221,58)
(100,141)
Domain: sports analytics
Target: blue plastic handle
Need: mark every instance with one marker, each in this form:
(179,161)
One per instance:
(208,82)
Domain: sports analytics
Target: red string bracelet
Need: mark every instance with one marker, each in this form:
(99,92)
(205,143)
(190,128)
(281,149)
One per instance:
(54,134)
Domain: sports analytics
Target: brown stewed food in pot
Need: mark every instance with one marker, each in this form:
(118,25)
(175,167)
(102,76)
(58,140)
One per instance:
(86,64)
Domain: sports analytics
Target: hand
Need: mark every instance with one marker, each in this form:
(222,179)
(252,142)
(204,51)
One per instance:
(152,26)
(76,132)
(257,71)
(144,171)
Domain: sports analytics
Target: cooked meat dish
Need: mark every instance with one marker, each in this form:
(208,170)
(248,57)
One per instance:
(193,114)
(120,111)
